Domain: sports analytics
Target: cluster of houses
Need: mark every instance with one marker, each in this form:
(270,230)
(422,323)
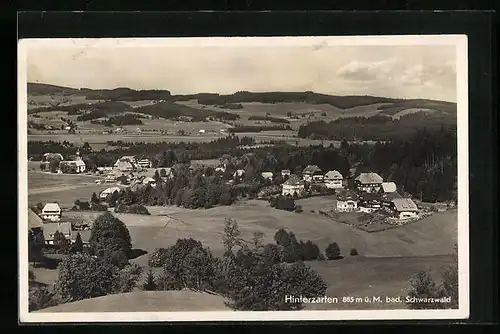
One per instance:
(49,222)
(371,192)
(65,166)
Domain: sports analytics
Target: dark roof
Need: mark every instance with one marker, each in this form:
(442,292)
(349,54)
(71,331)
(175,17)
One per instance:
(50,228)
(369,178)
(388,197)
(371,197)
(344,195)
(34,221)
(311,169)
(404,204)
(294,180)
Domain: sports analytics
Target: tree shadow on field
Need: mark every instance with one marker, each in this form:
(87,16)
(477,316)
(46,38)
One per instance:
(136,252)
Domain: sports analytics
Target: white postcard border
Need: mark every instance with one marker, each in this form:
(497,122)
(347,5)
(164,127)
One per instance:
(463,194)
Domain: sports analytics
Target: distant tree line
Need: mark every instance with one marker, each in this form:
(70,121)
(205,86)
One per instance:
(269,119)
(343,102)
(256,128)
(375,128)
(120,120)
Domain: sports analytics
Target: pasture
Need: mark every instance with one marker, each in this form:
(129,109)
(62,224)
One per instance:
(386,262)
(61,188)
(167,224)
(369,277)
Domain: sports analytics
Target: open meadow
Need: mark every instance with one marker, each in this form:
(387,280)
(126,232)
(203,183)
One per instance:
(146,301)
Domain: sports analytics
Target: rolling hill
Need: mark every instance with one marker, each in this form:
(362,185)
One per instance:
(145,301)
(391,106)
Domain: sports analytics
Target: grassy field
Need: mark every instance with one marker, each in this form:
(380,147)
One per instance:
(168,224)
(387,259)
(145,301)
(370,277)
(61,188)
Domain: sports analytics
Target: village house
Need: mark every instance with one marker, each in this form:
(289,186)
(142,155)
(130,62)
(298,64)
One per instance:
(369,182)
(49,230)
(169,173)
(285,173)
(150,181)
(293,186)
(387,198)
(50,156)
(347,200)
(220,169)
(144,163)
(333,179)
(51,212)
(389,187)
(239,173)
(111,178)
(105,193)
(404,208)
(267,175)
(35,223)
(369,202)
(125,164)
(312,173)
(73,166)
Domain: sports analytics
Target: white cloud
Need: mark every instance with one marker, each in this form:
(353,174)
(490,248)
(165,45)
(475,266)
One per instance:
(367,71)
(398,76)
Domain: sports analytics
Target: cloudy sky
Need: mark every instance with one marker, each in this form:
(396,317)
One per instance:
(401,71)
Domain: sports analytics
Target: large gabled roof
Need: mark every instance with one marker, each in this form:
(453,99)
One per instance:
(369,178)
(294,180)
(344,195)
(311,169)
(333,175)
(34,221)
(389,187)
(404,204)
(51,207)
(50,228)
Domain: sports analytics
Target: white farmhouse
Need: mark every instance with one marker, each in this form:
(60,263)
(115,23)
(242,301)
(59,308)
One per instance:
(144,163)
(105,193)
(239,173)
(293,186)
(267,175)
(333,179)
(52,212)
(312,173)
(49,231)
(347,200)
(285,173)
(404,208)
(369,182)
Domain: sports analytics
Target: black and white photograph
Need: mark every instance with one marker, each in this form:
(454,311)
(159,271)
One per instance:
(243,178)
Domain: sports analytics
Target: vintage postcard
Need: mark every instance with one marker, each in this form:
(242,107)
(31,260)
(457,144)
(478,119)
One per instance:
(243,179)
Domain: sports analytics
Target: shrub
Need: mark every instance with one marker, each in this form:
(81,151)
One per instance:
(190,264)
(149,284)
(332,251)
(127,279)
(137,209)
(354,252)
(39,298)
(109,234)
(82,276)
(157,257)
